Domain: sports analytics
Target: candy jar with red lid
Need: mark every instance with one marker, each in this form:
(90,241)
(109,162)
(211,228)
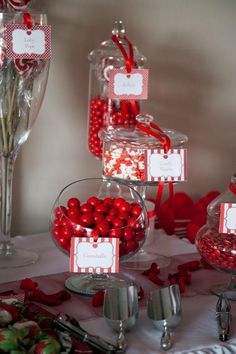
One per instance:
(217,245)
(125,152)
(102,210)
(102,110)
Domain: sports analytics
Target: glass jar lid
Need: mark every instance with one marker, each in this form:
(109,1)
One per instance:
(108,49)
(133,136)
(228,196)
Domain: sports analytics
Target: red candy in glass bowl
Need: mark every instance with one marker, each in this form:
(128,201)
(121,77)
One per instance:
(97,207)
(217,248)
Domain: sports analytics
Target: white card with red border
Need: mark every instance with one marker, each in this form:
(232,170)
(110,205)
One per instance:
(128,86)
(227,218)
(170,166)
(25,43)
(89,256)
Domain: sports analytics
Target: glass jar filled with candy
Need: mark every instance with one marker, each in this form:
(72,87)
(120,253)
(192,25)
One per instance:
(216,240)
(127,154)
(125,149)
(103,111)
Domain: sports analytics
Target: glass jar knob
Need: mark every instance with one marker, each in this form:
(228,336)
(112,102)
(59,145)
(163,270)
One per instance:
(118,29)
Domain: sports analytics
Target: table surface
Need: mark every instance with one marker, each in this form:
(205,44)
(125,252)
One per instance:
(197,332)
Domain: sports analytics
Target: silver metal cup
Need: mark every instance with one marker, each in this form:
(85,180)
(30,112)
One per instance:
(120,310)
(164,309)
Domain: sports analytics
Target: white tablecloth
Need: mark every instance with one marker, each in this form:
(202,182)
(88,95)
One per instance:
(197,332)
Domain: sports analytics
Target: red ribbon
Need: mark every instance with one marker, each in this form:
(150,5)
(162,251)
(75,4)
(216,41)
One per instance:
(27,18)
(232,188)
(165,141)
(153,130)
(129,59)
(129,62)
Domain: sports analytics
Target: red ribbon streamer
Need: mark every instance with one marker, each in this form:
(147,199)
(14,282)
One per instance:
(165,141)
(232,188)
(129,59)
(28,21)
(163,138)
(129,62)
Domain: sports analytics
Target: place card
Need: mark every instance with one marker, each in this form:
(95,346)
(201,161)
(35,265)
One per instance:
(131,86)
(89,256)
(25,43)
(170,166)
(227,223)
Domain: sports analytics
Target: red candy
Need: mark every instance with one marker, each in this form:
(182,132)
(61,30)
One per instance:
(98,119)
(95,218)
(219,250)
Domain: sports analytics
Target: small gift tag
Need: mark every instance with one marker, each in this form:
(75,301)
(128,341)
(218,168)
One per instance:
(170,166)
(131,86)
(25,43)
(227,218)
(88,256)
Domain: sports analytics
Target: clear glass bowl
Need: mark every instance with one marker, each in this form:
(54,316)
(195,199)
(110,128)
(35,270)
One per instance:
(97,207)
(219,249)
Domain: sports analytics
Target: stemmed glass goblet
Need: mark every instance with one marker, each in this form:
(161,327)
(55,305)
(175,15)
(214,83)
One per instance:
(22,87)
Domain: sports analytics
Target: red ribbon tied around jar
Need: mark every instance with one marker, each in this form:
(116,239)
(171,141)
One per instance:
(129,63)
(154,130)
(17,5)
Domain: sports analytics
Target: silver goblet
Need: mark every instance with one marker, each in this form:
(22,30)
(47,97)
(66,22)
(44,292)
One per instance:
(120,310)
(164,309)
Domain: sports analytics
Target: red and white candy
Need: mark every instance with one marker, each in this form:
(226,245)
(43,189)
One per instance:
(125,163)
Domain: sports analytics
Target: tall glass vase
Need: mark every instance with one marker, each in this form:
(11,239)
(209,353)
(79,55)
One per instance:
(22,87)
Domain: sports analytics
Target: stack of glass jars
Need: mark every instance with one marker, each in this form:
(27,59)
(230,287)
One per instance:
(103,111)
(217,248)
(124,151)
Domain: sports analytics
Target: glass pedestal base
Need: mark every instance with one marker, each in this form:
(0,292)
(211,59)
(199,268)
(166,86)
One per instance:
(17,258)
(143,260)
(89,284)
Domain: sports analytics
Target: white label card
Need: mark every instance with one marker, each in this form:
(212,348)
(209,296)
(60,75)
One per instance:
(123,85)
(24,43)
(227,218)
(170,166)
(88,256)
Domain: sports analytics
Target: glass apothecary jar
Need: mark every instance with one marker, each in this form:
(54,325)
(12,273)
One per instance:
(217,248)
(102,110)
(124,149)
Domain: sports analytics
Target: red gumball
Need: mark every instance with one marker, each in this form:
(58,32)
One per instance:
(60,211)
(136,210)
(73,213)
(66,232)
(123,249)
(102,208)
(128,233)
(118,223)
(86,219)
(118,202)
(86,208)
(73,203)
(116,233)
(98,217)
(113,211)
(94,201)
(103,228)
(108,201)
(125,207)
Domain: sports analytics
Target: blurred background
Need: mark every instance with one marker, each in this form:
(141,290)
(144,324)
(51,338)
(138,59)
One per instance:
(191,52)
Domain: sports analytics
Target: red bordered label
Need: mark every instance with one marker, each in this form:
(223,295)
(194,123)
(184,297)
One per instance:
(170,166)
(24,43)
(227,218)
(87,256)
(131,86)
